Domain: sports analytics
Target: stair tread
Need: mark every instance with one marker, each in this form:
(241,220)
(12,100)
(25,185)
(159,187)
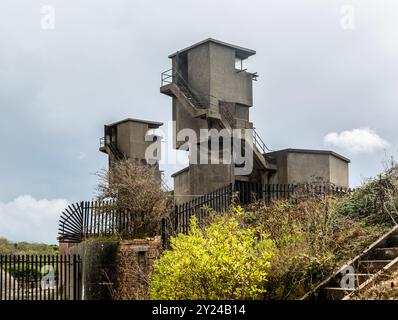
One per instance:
(361,261)
(376,260)
(339,289)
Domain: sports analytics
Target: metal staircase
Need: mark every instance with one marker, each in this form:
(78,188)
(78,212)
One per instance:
(110,147)
(361,272)
(200,106)
(106,146)
(163,183)
(176,86)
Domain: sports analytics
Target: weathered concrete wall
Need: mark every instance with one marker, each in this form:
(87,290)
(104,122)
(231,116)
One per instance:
(65,247)
(115,269)
(310,167)
(307,168)
(211,72)
(209,177)
(339,173)
(131,139)
(184,120)
(242,112)
(201,179)
(182,186)
(199,68)
(99,267)
(280,176)
(123,138)
(203,176)
(225,82)
(199,80)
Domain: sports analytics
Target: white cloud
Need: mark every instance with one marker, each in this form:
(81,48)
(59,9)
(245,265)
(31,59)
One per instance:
(362,140)
(28,219)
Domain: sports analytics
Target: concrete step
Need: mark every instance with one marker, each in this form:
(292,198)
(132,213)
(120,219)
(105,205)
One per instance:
(392,241)
(359,279)
(386,253)
(381,252)
(332,293)
(372,266)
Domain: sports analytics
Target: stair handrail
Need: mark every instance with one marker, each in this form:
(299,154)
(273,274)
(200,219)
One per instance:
(177,78)
(201,100)
(163,183)
(104,142)
(259,143)
(349,263)
(166,77)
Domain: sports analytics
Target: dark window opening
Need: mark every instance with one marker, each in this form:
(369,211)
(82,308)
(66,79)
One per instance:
(183,65)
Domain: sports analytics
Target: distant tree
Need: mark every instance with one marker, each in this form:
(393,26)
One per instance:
(26,248)
(6,247)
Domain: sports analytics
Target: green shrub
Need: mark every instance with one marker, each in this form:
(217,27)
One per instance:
(376,201)
(26,248)
(223,261)
(307,240)
(312,239)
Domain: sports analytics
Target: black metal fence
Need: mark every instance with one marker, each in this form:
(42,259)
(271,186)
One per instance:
(245,193)
(39,277)
(178,221)
(253,191)
(104,219)
(93,219)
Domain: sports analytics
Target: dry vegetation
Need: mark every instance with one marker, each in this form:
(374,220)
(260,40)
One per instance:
(386,289)
(312,235)
(136,188)
(312,238)
(316,235)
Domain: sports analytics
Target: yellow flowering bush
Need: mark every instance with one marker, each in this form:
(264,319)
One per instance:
(224,261)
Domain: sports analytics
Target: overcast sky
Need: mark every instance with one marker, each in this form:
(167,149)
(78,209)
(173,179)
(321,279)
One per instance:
(325,83)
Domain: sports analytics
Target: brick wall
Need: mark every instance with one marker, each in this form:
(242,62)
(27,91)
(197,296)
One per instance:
(135,260)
